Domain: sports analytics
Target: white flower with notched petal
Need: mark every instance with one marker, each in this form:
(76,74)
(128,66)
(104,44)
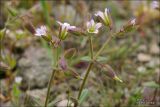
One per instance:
(41,31)
(64,29)
(93,27)
(104,17)
(154,4)
(18,79)
(133,22)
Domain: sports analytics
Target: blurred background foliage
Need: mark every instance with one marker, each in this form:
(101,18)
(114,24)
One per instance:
(134,56)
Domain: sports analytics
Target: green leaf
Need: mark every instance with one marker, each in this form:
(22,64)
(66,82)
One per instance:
(16,92)
(12,11)
(101,59)
(83,96)
(151,84)
(45,11)
(86,58)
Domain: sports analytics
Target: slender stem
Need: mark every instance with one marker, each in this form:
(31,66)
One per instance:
(89,67)
(52,76)
(104,45)
(49,86)
(91,63)
(84,80)
(57,56)
(91,46)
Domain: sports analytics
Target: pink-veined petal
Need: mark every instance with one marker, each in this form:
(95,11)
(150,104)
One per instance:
(92,22)
(100,14)
(98,25)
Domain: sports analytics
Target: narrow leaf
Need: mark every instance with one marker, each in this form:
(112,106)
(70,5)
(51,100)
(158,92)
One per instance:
(83,96)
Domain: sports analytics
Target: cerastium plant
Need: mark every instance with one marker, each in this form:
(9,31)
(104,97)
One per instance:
(92,29)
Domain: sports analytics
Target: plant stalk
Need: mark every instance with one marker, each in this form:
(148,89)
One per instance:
(91,46)
(89,67)
(49,86)
(52,76)
(91,63)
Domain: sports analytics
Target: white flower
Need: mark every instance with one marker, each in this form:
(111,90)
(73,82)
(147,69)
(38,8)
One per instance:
(93,27)
(154,4)
(65,26)
(133,21)
(104,16)
(64,29)
(41,31)
(18,79)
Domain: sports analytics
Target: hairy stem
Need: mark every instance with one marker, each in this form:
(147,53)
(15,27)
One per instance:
(52,76)
(84,80)
(91,46)
(91,63)
(49,86)
(88,69)
(102,48)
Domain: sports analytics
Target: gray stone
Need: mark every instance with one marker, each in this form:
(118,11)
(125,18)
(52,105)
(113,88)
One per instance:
(35,67)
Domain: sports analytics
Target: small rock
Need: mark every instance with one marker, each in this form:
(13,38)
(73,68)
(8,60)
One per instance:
(35,67)
(64,103)
(141,69)
(154,49)
(142,48)
(143,57)
(39,94)
(153,63)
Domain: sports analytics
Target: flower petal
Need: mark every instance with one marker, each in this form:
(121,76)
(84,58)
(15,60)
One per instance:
(133,21)
(96,31)
(98,25)
(72,27)
(92,22)
(59,23)
(100,14)
(106,12)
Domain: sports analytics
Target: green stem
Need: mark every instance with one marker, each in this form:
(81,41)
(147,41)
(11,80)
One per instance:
(49,86)
(84,80)
(52,76)
(91,46)
(104,45)
(91,63)
(89,67)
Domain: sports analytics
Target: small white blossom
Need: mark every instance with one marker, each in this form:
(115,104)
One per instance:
(104,16)
(18,79)
(65,26)
(93,27)
(41,31)
(154,4)
(133,21)
(64,29)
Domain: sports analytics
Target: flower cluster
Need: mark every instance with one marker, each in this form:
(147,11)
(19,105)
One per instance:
(91,28)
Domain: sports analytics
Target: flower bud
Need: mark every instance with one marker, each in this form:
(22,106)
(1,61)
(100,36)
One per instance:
(131,25)
(55,41)
(105,17)
(63,63)
(77,32)
(64,27)
(110,72)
